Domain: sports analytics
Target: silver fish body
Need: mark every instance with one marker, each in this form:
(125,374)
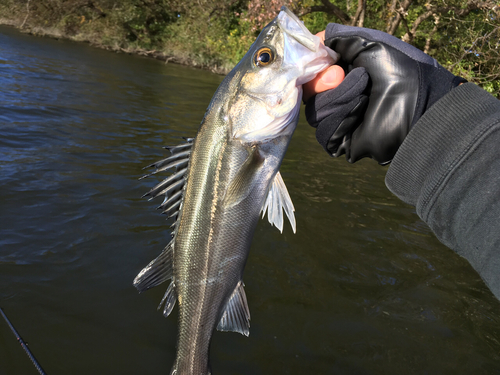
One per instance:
(224,179)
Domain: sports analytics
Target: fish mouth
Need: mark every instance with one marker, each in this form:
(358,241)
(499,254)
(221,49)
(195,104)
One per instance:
(293,26)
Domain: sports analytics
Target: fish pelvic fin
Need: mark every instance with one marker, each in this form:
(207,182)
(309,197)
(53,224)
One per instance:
(156,272)
(278,200)
(236,316)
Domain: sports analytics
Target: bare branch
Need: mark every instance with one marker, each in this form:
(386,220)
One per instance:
(336,11)
(462,12)
(431,34)
(408,37)
(410,34)
(481,39)
(400,14)
(27,13)
(328,8)
(362,15)
(391,13)
(359,17)
(312,9)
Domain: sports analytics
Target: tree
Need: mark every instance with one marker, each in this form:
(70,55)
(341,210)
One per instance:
(462,34)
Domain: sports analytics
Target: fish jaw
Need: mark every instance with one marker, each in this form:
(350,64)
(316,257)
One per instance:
(273,92)
(303,49)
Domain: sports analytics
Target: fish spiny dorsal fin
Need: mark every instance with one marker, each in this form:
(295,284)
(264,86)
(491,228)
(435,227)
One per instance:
(173,185)
(278,200)
(160,269)
(236,316)
(156,272)
(178,159)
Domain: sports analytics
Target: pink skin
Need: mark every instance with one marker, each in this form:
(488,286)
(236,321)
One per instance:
(326,80)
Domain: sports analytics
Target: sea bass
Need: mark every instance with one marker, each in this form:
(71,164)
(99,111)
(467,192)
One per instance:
(223,179)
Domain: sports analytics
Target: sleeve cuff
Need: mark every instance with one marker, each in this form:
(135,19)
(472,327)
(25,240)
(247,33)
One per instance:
(437,143)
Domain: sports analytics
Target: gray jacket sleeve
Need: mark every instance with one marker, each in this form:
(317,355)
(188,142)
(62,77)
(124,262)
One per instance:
(448,167)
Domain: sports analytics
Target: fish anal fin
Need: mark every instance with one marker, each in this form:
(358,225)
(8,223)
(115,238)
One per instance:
(277,201)
(236,316)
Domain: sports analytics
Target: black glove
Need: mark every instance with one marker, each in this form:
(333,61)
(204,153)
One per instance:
(388,86)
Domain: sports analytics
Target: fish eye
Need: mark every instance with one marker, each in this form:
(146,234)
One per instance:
(264,56)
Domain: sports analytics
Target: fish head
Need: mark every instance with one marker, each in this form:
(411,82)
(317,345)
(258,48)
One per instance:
(270,76)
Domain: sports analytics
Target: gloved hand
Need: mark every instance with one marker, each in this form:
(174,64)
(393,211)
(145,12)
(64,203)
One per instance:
(388,87)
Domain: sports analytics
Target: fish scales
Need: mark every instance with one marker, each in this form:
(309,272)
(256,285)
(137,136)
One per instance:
(232,176)
(208,276)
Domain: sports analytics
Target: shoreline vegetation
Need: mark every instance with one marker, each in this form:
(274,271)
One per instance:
(176,57)
(463,35)
(41,31)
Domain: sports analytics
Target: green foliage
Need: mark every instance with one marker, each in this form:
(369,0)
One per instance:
(317,21)
(148,22)
(231,48)
(461,34)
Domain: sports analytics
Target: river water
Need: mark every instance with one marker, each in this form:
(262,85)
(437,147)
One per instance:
(362,288)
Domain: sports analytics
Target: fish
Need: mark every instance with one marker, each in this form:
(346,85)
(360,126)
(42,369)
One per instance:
(223,179)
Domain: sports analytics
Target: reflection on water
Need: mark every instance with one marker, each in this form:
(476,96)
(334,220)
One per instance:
(362,288)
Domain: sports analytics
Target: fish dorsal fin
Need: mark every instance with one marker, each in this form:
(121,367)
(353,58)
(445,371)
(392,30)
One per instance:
(171,187)
(236,316)
(278,200)
(179,160)
(169,299)
(160,269)
(156,272)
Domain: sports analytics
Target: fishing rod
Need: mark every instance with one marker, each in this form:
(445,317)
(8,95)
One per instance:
(23,344)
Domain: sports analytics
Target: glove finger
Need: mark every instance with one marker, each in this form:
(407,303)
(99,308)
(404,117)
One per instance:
(340,141)
(337,101)
(338,111)
(350,41)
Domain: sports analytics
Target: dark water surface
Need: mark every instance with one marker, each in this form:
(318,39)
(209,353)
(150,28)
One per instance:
(362,288)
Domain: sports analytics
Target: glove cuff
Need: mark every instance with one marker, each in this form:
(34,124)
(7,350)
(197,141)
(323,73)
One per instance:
(435,82)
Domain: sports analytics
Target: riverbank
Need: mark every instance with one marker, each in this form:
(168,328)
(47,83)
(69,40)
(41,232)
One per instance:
(106,30)
(180,58)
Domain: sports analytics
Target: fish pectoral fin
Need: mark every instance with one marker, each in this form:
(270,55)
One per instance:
(278,200)
(244,182)
(169,299)
(156,272)
(236,316)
